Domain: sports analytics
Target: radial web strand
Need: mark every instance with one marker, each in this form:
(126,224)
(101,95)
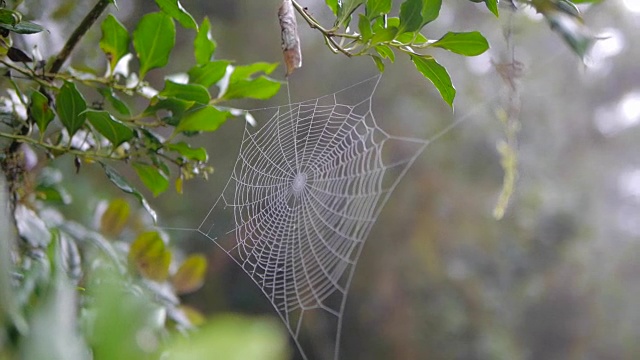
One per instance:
(305,191)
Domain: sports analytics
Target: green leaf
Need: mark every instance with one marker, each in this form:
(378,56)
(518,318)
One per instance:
(364,26)
(190,275)
(150,256)
(437,74)
(492,5)
(244,72)
(334,5)
(70,106)
(206,118)
(115,40)
(209,73)
(40,110)
(154,179)
(23,27)
(345,11)
(182,148)
(379,62)
(466,43)
(384,35)
(174,9)
(124,185)
(260,88)
(112,129)
(375,8)
(204,46)
(572,30)
(119,105)
(227,337)
(153,39)
(9,17)
(114,219)
(410,16)
(189,92)
(430,10)
(386,52)
(177,107)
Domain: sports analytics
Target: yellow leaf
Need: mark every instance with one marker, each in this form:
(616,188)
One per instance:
(150,256)
(190,275)
(115,218)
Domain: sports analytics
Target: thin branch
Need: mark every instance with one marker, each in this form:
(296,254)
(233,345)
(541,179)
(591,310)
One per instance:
(78,33)
(329,35)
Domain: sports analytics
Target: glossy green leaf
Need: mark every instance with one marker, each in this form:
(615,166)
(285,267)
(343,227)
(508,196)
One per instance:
(410,16)
(70,106)
(112,129)
(153,39)
(124,185)
(411,38)
(204,46)
(23,27)
(334,5)
(174,9)
(189,92)
(115,217)
(437,74)
(209,73)
(375,8)
(175,107)
(466,43)
(154,179)
(190,275)
(206,118)
(150,256)
(244,72)
(384,35)
(115,40)
(260,88)
(386,52)
(364,26)
(55,194)
(185,150)
(40,110)
(492,5)
(9,17)
(113,99)
(430,10)
(347,8)
(379,62)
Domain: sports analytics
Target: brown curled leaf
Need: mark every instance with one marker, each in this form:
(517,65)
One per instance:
(290,38)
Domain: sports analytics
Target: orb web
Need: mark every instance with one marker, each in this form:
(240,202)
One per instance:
(305,191)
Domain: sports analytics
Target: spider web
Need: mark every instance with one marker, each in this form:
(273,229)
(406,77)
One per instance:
(304,193)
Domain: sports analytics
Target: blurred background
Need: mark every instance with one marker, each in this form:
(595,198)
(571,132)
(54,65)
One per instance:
(440,278)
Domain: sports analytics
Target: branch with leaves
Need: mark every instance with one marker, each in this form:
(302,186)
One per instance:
(93,117)
(380,35)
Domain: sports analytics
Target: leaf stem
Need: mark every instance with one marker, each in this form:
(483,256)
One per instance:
(77,34)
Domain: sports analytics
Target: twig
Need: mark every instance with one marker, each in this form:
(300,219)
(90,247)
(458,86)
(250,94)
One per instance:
(78,33)
(329,35)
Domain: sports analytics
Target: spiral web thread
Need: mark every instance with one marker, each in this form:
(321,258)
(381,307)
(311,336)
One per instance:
(305,191)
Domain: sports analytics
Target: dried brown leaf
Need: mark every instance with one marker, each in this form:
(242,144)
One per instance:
(290,38)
